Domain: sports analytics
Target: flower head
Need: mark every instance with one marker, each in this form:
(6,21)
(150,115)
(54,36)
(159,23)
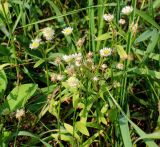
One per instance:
(54,77)
(108,17)
(20,113)
(120,66)
(105,52)
(35,43)
(48,33)
(73,82)
(95,78)
(103,66)
(122,21)
(60,77)
(67,58)
(67,31)
(134,28)
(127,10)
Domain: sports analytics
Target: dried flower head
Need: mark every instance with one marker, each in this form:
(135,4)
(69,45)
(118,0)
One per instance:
(127,10)
(60,77)
(108,17)
(134,28)
(130,57)
(122,21)
(103,66)
(58,61)
(54,77)
(89,54)
(35,43)
(48,33)
(67,31)
(105,52)
(120,66)
(80,42)
(70,70)
(20,113)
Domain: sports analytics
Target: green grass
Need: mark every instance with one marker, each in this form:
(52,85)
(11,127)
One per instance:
(79,103)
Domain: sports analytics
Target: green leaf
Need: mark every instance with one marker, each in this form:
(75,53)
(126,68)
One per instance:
(18,97)
(152,44)
(144,36)
(70,130)
(75,100)
(3,82)
(112,114)
(4,65)
(122,53)
(151,55)
(82,128)
(38,63)
(103,37)
(145,71)
(147,18)
(155,135)
(123,123)
(156,4)
(25,133)
(91,139)
(63,137)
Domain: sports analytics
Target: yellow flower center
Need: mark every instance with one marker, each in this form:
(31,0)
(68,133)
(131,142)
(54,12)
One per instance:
(35,44)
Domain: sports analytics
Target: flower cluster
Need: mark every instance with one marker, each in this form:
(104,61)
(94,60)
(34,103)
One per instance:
(127,10)
(69,58)
(48,33)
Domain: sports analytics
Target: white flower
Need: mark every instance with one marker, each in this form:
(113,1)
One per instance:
(35,43)
(127,10)
(120,66)
(108,17)
(105,52)
(73,82)
(77,56)
(68,58)
(78,63)
(122,21)
(103,66)
(20,113)
(134,28)
(95,78)
(80,42)
(60,77)
(67,31)
(48,33)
